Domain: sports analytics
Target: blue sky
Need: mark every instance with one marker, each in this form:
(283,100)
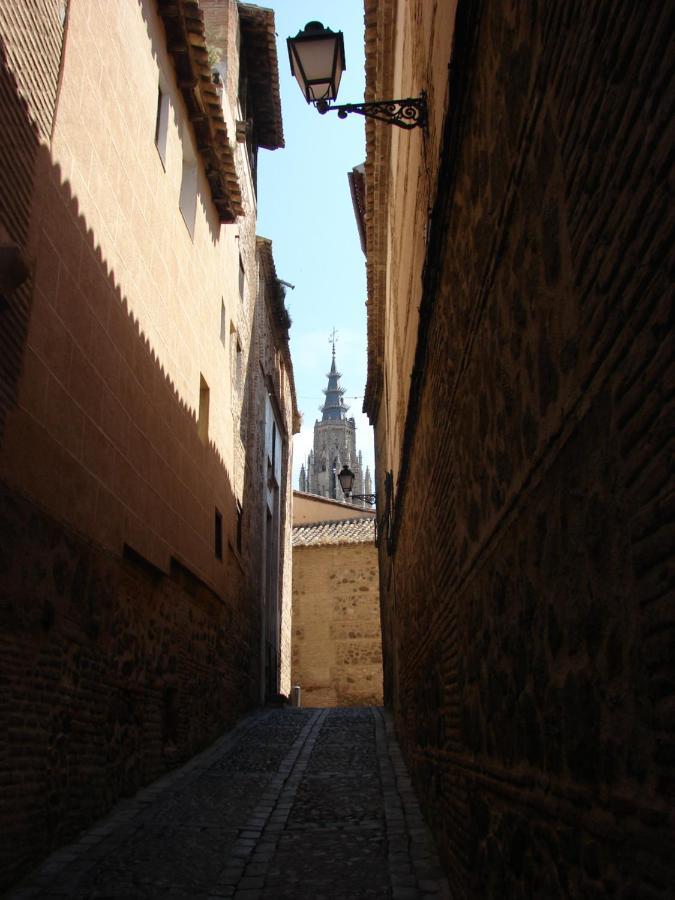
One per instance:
(305,208)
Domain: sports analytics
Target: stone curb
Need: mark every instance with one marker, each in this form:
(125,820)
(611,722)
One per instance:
(414,868)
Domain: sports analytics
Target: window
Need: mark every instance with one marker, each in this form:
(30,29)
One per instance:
(223,323)
(239,367)
(218,535)
(242,277)
(169,716)
(242,89)
(245,109)
(240,515)
(187,200)
(203,417)
(162,124)
(236,360)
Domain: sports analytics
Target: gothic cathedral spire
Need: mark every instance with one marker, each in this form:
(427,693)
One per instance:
(334,442)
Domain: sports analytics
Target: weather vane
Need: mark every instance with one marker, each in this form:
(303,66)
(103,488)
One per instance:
(332,339)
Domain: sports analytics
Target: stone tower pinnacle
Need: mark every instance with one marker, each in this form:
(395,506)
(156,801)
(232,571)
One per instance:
(334,408)
(334,442)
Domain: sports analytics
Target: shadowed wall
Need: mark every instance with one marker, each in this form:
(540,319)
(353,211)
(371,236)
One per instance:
(527,595)
(129,635)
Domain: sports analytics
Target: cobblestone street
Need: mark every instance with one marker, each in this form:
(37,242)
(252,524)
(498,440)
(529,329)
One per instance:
(291,803)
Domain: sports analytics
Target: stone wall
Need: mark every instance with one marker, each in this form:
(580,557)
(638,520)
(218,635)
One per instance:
(112,672)
(269,380)
(336,644)
(528,595)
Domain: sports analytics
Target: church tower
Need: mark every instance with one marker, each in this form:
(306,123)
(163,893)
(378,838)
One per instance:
(334,444)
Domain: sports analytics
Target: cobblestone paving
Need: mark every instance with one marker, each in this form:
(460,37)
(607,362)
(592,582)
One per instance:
(292,804)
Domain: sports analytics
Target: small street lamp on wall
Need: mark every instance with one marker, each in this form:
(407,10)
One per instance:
(317,57)
(346,479)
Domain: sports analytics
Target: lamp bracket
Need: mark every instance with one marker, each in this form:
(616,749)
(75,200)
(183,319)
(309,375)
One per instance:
(370,499)
(408,113)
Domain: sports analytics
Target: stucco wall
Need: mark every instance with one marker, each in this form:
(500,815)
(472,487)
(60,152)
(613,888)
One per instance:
(126,311)
(337,648)
(311,508)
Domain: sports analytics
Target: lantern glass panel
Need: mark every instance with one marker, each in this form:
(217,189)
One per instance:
(346,478)
(317,62)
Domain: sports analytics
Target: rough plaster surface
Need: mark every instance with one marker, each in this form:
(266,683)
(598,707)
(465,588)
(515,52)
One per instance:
(337,647)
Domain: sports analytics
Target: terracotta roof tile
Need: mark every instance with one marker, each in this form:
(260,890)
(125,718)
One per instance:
(186,42)
(260,46)
(346,531)
(357,186)
(279,317)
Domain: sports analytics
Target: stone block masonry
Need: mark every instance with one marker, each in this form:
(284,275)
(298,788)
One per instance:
(111,673)
(336,641)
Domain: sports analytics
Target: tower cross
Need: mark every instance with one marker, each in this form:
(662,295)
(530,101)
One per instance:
(332,339)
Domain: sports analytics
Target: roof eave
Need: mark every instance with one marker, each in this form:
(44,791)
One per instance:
(278,313)
(379,26)
(260,45)
(186,43)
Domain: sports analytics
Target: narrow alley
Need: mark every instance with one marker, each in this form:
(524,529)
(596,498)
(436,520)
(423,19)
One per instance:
(292,803)
(337,361)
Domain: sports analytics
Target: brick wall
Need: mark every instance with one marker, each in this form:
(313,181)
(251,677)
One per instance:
(528,602)
(112,672)
(336,643)
(27,103)
(37,85)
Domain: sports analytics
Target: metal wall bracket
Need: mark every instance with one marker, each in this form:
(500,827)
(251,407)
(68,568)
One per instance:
(408,113)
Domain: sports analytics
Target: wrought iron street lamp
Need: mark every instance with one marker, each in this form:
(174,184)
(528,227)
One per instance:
(317,57)
(346,479)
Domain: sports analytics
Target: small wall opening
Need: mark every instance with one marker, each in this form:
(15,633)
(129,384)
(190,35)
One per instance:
(218,535)
(223,323)
(169,716)
(239,526)
(203,416)
(242,277)
(187,201)
(236,361)
(162,124)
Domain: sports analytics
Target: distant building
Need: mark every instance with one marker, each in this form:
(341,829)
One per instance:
(334,446)
(337,642)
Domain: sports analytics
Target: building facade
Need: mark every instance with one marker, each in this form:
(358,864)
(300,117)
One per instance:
(337,644)
(334,446)
(275,415)
(147,402)
(520,369)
